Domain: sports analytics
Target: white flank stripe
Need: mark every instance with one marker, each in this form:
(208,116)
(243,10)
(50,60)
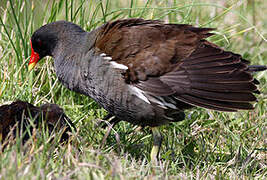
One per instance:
(139,93)
(107,58)
(118,66)
(102,54)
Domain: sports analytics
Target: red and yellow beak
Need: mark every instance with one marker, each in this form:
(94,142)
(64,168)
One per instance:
(34,59)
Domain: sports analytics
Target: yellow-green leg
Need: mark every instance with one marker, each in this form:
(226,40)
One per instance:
(157,139)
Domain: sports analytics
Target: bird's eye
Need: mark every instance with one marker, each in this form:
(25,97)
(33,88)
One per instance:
(39,42)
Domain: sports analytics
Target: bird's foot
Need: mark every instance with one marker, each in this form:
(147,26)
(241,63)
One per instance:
(157,139)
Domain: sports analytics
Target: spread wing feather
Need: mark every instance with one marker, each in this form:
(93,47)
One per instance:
(173,64)
(221,82)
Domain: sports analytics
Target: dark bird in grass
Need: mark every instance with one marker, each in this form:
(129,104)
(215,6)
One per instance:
(147,72)
(27,116)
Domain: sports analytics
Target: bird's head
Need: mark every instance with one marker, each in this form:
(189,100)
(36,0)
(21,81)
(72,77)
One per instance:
(44,40)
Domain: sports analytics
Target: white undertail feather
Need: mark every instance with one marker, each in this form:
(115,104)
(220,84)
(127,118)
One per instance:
(159,100)
(154,100)
(162,102)
(171,105)
(139,93)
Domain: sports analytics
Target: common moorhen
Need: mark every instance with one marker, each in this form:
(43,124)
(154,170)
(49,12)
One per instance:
(147,72)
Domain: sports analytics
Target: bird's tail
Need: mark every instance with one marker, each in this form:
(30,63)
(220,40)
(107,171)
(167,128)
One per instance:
(255,68)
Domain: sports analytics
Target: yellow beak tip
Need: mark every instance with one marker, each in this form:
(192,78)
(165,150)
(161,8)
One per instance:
(31,66)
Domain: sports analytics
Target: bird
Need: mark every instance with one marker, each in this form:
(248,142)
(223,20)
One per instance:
(21,114)
(147,72)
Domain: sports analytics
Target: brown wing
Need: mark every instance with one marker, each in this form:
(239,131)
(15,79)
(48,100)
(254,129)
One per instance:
(211,78)
(173,63)
(148,47)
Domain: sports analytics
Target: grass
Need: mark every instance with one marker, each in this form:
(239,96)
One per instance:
(206,145)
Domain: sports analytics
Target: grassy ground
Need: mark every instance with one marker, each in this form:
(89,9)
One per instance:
(207,144)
